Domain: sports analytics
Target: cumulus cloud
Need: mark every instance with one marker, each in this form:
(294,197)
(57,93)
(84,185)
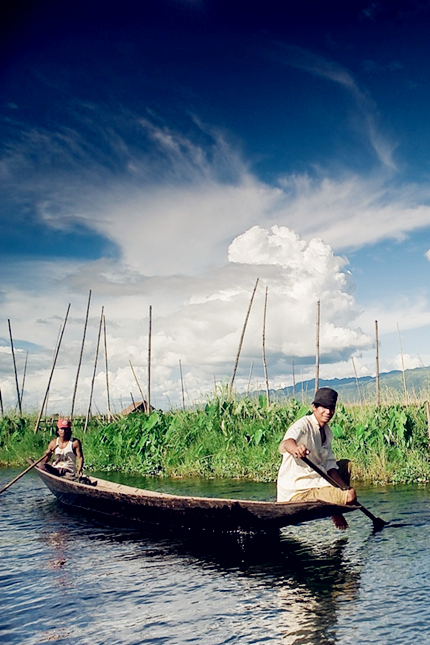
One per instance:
(202,326)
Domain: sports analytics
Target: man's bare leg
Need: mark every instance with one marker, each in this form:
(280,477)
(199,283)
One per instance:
(340,522)
(344,466)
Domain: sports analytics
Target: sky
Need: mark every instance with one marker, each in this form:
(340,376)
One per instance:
(167,154)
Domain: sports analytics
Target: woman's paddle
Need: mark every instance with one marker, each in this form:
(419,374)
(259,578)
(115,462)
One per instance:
(22,474)
(378,523)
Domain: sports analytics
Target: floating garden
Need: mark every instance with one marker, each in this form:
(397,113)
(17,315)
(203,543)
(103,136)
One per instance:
(233,437)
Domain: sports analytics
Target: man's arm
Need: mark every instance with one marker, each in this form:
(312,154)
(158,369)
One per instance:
(293,448)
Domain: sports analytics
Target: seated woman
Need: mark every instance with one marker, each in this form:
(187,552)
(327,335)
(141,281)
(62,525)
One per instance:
(67,451)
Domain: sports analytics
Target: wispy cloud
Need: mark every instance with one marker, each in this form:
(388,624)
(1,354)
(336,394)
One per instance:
(354,211)
(318,65)
(172,205)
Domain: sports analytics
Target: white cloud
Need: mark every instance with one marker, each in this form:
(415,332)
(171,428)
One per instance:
(174,204)
(354,211)
(162,230)
(201,327)
(405,361)
(167,230)
(404,312)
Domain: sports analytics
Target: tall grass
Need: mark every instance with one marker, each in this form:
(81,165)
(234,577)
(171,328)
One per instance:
(388,443)
(235,437)
(18,441)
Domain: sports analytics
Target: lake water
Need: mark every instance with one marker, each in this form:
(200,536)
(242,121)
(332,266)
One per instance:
(74,580)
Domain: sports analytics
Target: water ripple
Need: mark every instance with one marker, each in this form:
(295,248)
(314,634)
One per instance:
(69,579)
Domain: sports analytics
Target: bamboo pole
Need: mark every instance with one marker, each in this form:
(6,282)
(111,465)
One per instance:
(97,407)
(264,348)
(242,337)
(249,378)
(23,377)
(317,353)
(356,380)
(14,369)
(428,419)
(54,362)
(405,390)
(87,418)
(378,391)
(182,385)
(45,410)
(138,385)
(148,404)
(1,404)
(80,356)
(132,400)
(294,377)
(107,370)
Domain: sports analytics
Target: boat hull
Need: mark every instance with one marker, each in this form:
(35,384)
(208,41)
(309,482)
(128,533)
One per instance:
(214,514)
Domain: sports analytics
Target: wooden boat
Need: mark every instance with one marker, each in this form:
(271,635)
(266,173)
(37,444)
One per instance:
(138,505)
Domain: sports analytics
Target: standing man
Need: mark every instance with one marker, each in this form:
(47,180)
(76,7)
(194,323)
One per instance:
(311,436)
(67,451)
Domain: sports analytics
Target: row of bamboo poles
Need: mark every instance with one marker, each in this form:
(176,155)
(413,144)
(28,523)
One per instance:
(147,400)
(317,353)
(102,328)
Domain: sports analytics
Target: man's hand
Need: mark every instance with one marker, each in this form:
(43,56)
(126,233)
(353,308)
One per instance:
(299,451)
(351,495)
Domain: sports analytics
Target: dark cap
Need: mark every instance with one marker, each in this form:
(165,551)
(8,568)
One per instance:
(326,397)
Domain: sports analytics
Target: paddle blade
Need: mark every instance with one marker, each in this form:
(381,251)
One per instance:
(379,524)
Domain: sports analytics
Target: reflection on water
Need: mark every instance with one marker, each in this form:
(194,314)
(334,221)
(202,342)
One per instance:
(308,579)
(297,582)
(321,578)
(72,579)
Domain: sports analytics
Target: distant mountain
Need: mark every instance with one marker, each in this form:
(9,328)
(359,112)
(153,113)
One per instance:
(363,389)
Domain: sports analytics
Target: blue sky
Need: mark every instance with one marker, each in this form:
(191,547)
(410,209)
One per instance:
(171,152)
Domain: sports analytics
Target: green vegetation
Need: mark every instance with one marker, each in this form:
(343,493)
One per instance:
(235,437)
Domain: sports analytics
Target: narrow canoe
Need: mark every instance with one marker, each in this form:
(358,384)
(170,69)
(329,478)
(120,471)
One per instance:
(138,505)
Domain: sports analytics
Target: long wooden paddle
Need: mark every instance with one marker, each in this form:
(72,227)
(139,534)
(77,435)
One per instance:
(378,523)
(22,474)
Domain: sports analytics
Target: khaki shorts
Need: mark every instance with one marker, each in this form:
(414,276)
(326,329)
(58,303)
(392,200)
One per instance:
(326,494)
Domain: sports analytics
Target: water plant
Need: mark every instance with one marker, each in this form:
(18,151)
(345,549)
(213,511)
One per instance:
(235,436)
